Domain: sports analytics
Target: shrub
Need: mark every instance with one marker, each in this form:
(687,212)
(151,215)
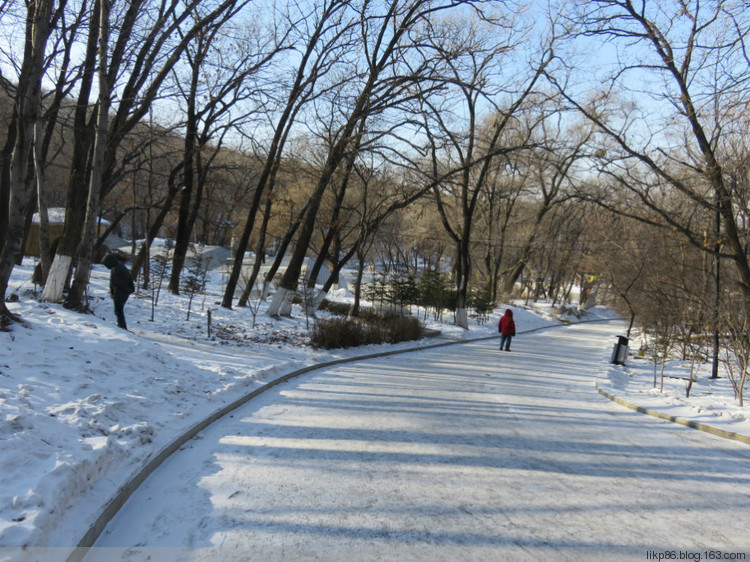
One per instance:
(403,290)
(352,332)
(378,291)
(435,292)
(371,315)
(337,308)
(402,328)
(481,301)
(343,332)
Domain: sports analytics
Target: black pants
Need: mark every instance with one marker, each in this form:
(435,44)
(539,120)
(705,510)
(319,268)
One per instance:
(505,341)
(120,310)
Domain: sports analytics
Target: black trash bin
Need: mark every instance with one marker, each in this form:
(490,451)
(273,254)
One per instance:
(620,352)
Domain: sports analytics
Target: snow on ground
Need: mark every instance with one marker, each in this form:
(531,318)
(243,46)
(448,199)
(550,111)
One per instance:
(85,405)
(711,402)
(453,453)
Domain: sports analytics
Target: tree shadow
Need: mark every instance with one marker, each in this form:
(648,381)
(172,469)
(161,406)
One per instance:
(420,458)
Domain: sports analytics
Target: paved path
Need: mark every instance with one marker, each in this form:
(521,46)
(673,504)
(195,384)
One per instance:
(459,453)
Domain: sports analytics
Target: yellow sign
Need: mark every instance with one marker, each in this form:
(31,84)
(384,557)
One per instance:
(591,278)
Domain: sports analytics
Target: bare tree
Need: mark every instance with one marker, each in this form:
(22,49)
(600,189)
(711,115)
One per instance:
(378,194)
(322,37)
(686,65)
(42,16)
(141,60)
(61,52)
(558,249)
(737,351)
(224,85)
(81,280)
(380,85)
(550,170)
(469,144)
(506,182)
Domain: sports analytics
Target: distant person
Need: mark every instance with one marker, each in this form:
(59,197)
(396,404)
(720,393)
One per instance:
(121,286)
(507,329)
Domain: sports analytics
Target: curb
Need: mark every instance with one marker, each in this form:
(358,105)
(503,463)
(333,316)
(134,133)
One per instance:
(674,419)
(124,493)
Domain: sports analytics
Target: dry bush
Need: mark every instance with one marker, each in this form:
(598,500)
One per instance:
(352,332)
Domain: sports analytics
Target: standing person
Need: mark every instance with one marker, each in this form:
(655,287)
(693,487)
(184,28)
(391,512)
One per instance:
(507,329)
(121,286)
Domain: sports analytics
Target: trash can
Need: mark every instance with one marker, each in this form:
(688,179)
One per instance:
(620,352)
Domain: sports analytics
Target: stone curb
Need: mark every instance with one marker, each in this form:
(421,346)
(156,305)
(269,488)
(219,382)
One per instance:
(124,493)
(674,419)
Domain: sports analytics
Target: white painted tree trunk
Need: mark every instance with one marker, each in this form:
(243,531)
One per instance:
(77,295)
(319,298)
(286,305)
(266,290)
(462,318)
(58,273)
(281,304)
(310,301)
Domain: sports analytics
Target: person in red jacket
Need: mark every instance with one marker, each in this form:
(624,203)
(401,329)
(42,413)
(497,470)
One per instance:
(507,329)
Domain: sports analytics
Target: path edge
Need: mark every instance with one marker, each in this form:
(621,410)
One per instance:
(676,419)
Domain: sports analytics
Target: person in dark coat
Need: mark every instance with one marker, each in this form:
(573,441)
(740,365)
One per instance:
(121,286)
(507,329)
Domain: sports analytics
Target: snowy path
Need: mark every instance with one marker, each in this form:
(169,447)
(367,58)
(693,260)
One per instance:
(458,453)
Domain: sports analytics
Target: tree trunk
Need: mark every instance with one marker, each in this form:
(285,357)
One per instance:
(462,277)
(85,253)
(297,97)
(7,156)
(143,255)
(282,301)
(27,109)
(260,252)
(281,304)
(44,241)
(354,312)
(244,239)
(333,229)
(184,225)
(78,183)
(320,297)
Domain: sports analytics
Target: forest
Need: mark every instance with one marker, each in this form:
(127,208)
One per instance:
(506,147)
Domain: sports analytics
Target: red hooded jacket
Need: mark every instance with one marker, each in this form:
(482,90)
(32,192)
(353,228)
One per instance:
(506,325)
